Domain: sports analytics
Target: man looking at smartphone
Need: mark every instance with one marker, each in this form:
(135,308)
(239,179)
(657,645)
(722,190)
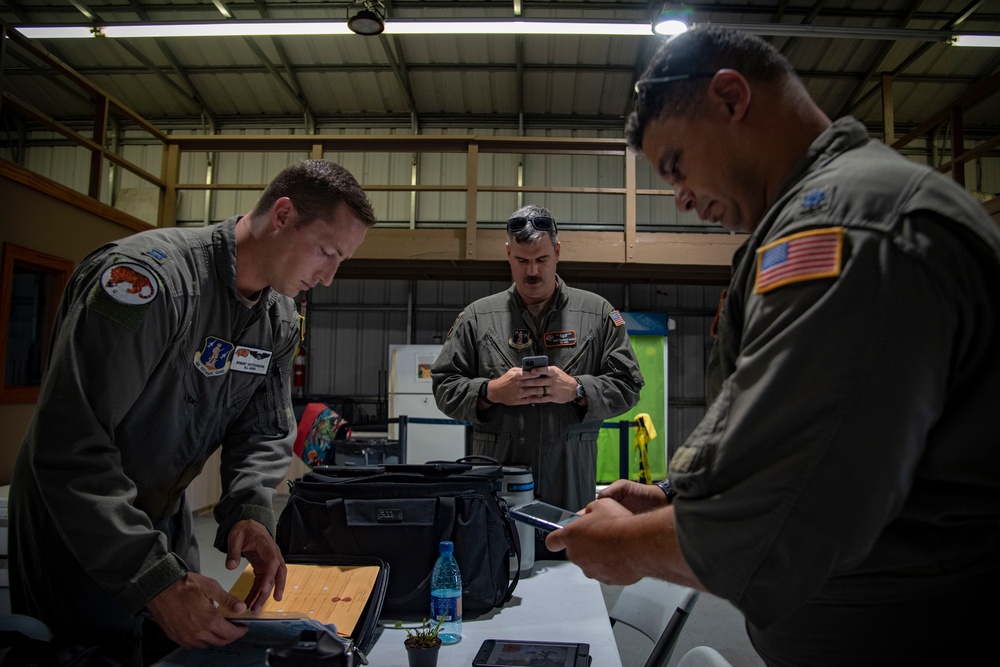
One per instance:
(548,417)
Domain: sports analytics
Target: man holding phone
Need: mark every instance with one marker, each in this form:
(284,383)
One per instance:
(538,367)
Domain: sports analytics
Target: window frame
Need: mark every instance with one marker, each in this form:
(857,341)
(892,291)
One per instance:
(57,270)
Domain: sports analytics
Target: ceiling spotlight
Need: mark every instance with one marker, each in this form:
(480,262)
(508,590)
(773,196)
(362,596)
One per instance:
(674,19)
(370,20)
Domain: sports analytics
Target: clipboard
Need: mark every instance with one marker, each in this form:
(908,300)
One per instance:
(350,593)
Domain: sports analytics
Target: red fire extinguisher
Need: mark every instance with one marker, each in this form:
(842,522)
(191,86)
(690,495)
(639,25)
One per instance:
(299,371)
(299,361)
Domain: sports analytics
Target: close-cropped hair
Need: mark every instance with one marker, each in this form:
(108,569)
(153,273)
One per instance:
(529,234)
(699,53)
(316,187)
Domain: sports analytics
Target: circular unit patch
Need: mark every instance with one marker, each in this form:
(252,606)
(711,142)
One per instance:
(129,284)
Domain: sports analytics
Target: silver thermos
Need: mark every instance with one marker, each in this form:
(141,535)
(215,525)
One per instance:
(519,488)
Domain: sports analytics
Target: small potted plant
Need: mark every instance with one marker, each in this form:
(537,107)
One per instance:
(422,643)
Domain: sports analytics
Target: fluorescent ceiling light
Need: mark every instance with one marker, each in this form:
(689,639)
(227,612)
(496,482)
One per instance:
(516,28)
(279,28)
(977,40)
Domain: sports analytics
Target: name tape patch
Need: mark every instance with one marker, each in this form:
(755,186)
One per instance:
(559,338)
(250,360)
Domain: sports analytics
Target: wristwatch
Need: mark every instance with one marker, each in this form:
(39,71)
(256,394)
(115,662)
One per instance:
(581,393)
(667,489)
(483,388)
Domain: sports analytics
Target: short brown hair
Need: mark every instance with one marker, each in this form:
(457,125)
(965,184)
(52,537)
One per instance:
(316,187)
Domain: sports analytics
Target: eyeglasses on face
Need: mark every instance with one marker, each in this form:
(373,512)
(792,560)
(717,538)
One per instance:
(542,223)
(643,84)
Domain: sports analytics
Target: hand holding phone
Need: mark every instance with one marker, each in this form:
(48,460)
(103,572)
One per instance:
(542,515)
(540,361)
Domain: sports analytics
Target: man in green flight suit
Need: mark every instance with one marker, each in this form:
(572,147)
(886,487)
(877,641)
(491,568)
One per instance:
(546,418)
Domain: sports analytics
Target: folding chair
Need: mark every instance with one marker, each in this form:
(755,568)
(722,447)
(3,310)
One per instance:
(703,656)
(657,609)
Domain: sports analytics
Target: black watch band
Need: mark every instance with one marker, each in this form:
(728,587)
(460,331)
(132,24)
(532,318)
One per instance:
(667,489)
(482,393)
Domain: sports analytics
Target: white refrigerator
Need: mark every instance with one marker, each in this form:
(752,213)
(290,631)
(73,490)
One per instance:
(410,394)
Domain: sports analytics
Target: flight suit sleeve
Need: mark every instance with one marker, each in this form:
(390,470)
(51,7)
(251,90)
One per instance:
(105,348)
(257,449)
(810,449)
(613,388)
(455,375)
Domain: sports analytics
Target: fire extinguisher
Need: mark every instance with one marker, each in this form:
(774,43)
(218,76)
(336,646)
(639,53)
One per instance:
(299,361)
(299,371)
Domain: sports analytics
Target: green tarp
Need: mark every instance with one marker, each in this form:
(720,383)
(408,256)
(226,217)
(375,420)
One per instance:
(650,351)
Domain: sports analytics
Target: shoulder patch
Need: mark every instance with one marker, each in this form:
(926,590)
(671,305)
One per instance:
(129,284)
(123,293)
(617,318)
(804,256)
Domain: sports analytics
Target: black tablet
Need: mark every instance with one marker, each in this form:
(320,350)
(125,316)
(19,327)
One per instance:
(508,653)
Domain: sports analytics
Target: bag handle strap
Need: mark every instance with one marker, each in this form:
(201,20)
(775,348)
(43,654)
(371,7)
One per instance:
(481,459)
(512,543)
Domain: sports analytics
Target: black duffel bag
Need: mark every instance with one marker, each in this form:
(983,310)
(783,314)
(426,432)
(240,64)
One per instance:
(400,513)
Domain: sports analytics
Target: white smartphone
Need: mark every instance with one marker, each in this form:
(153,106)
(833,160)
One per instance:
(542,515)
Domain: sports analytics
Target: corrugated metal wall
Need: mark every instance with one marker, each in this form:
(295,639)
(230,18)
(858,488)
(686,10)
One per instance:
(352,323)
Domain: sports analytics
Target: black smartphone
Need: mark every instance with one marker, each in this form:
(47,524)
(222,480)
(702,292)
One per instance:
(496,652)
(541,361)
(542,515)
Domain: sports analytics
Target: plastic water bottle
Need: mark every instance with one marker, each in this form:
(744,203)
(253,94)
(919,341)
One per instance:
(446,594)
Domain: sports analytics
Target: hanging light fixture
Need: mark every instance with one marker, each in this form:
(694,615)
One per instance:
(674,19)
(370,21)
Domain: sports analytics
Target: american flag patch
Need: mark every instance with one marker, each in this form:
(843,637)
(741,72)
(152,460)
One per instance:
(617,318)
(804,256)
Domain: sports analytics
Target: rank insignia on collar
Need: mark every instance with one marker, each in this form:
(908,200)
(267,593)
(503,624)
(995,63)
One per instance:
(816,199)
(520,339)
(159,254)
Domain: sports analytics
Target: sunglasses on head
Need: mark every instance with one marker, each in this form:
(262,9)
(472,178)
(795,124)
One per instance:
(643,84)
(542,223)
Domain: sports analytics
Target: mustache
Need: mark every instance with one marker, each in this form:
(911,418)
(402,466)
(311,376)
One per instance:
(532,280)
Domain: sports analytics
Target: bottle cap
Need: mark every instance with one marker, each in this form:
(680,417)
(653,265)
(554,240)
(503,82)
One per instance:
(446,547)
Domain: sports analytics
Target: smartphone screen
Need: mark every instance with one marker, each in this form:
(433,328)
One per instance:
(542,515)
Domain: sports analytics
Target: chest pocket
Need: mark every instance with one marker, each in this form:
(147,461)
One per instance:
(580,359)
(271,407)
(495,358)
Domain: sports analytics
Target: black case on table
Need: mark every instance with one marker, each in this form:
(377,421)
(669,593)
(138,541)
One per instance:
(400,513)
(364,631)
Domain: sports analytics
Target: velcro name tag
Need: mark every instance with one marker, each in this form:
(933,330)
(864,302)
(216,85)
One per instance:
(251,360)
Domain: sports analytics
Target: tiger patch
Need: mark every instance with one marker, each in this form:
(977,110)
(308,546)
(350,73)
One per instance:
(129,284)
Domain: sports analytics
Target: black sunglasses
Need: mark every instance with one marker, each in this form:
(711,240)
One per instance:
(642,84)
(542,223)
